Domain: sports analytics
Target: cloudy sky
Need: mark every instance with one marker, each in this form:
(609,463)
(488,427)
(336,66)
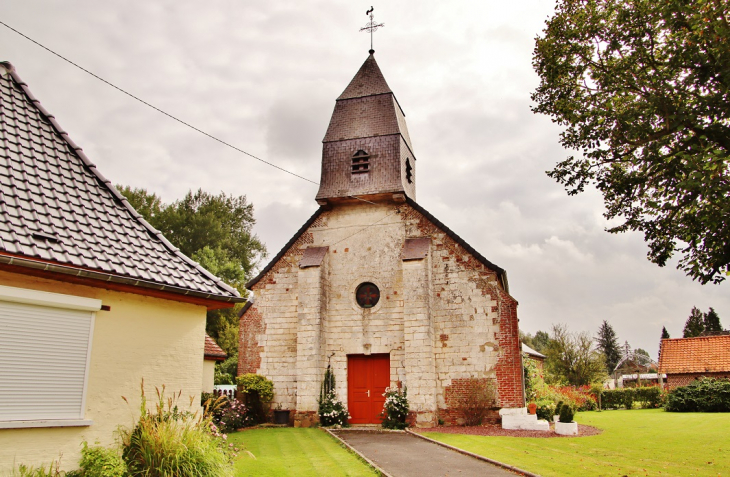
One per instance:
(264,76)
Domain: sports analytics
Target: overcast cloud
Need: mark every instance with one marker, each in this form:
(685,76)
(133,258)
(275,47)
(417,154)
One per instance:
(264,76)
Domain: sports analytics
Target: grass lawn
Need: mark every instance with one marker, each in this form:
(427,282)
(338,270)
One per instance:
(637,442)
(296,452)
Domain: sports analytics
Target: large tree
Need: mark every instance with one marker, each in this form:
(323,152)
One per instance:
(215,231)
(712,321)
(695,324)
(572,358)
(642,89)
(608,345)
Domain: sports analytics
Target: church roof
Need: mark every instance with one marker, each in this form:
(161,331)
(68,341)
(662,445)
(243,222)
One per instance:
(501,273)
(60,215)
(368,81)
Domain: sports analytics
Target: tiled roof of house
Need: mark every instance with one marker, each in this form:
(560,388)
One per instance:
(703,354)
(59,214)
(212,350)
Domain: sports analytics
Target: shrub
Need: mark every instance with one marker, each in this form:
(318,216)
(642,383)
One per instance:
(395,409)
(566,413)
(546,409)
(227,414)
(171,442)
(259,391)
(703,395)
(100,461)
(478,397)
(331,411)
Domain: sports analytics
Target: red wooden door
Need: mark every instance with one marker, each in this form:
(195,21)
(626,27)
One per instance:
(367,378)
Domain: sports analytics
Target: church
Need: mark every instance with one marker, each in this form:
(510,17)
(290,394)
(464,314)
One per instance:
(377,287)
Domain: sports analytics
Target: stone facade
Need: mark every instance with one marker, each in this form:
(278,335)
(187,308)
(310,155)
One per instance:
(444,314)
(442,318)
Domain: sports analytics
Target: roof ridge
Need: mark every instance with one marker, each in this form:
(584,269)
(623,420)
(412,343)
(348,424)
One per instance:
(79,152)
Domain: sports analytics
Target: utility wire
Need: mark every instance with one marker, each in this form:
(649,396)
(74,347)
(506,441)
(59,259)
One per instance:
(155,107)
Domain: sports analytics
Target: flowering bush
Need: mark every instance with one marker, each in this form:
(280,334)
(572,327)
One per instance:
(331,410)
(395,409)
(228,414)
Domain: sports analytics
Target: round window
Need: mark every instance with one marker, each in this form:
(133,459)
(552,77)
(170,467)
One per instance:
(367,295)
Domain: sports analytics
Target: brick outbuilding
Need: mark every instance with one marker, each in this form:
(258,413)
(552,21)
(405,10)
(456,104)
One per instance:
(376,286)
(686,359)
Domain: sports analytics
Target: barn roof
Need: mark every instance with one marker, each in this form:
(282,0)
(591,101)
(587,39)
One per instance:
(703,354)
(60,215)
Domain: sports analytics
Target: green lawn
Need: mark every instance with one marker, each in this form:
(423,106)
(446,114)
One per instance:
(633,443)
(296,452)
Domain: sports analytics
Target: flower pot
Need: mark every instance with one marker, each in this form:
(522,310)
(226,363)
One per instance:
(281,416)
(532,408)
(566,428)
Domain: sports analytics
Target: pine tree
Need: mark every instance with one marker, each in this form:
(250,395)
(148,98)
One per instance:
(665,333)
(608,345)
(695,324)
(712,321)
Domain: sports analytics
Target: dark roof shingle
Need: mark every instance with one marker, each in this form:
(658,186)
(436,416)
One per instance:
(58,209)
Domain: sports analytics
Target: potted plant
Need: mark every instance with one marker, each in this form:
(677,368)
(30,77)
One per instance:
(556,414)
(281,416)
(532,408)
(565,425)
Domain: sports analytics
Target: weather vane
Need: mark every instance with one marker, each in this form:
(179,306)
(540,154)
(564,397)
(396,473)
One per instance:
(371,27)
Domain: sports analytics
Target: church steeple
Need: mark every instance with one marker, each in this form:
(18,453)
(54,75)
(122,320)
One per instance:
(366,151)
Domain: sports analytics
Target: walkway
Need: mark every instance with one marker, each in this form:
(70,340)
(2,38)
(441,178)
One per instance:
(402,455)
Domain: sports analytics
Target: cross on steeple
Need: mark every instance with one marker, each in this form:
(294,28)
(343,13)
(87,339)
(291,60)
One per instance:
(371,26)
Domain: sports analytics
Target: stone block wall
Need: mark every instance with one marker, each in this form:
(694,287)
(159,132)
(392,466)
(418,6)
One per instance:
(442,319)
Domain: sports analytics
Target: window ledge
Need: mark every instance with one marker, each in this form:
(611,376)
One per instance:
(46,423)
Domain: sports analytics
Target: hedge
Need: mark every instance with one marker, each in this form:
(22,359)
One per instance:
(703,395)
(647,397)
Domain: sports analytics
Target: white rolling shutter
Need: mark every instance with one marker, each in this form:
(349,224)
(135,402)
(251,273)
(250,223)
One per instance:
(44,354)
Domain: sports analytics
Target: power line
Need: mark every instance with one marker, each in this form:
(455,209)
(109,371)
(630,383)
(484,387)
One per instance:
(155,107)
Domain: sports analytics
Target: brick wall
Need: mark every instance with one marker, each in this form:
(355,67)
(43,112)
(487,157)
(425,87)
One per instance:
(676,380)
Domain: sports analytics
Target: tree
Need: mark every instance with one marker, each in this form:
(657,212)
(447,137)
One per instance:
(539,342)
(665,333)
(695,324)
(572,357)
(608,345)
(712,321)
(215,231)
(642,89)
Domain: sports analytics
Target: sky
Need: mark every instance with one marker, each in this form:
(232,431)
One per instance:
(264,76)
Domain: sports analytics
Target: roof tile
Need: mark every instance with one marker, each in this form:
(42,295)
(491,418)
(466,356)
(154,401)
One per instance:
(48,185)
(703,354)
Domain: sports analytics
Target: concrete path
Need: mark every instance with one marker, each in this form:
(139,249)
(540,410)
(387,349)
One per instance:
(403,455)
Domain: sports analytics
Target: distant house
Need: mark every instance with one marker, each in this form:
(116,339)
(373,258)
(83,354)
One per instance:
(686,359)
(212,354)
(92,298)
(537,357)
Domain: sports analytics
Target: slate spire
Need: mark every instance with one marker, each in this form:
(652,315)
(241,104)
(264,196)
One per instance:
(367,151)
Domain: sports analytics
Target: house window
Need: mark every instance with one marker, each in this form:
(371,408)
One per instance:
(360,162)
(45,345)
